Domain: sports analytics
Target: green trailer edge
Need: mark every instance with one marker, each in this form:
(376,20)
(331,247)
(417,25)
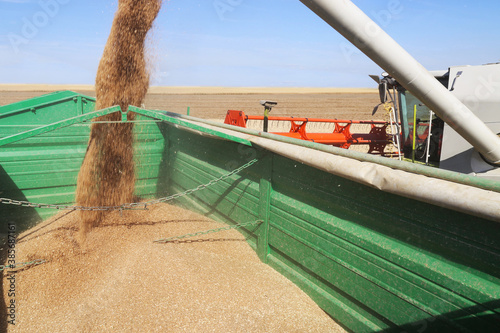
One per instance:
(375,261)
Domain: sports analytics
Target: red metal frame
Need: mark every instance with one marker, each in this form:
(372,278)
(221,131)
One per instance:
(377,138)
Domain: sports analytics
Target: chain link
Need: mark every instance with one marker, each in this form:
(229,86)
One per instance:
(127,206)
(200,233)
(18,266)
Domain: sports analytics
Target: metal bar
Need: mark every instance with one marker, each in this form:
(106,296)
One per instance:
(28,109)
(369,38)
(398,131)
(175,120)
(128,121)
(79,105)
(405,130)
(319,120)
(427,154)
(57,125)
(266,119)
(265,192)
(333,138)
(414,138)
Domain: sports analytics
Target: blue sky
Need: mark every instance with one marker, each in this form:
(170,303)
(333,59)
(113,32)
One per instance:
(240,42)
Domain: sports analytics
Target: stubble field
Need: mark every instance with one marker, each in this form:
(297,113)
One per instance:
(213,102)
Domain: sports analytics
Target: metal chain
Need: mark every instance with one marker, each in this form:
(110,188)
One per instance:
(187,192)
(53,206)
(199,233)
(127,206)
(17,266)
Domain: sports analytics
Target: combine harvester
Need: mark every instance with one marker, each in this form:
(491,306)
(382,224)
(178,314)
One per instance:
(382,245)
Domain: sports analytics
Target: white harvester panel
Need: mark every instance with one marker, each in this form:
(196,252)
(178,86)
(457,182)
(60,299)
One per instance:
(478,87)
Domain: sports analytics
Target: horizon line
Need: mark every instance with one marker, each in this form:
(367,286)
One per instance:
(189,89)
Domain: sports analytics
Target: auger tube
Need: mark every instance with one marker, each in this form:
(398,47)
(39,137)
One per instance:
(369,38)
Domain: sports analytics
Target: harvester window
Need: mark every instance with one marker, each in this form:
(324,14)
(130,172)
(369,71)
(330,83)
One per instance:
(426,122)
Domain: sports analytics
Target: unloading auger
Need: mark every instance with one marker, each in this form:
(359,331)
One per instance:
(461,97)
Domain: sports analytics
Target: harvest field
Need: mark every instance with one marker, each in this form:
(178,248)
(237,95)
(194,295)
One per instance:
(213,102)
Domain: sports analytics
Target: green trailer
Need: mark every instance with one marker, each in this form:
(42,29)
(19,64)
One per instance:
(381,245)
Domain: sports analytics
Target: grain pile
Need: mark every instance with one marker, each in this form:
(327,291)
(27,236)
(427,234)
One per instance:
(121,281)
(107,176)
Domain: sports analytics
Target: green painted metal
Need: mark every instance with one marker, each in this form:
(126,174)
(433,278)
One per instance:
(172,118)
(46,109)
(41,163)
(404,115)
(58,124)
(265,187)
(374,261)
(44,168)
